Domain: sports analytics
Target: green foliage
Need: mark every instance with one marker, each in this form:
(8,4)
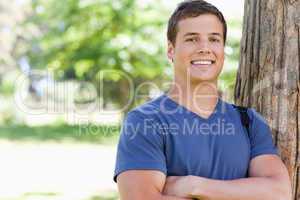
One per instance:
(80,38)
(106,134)
(228,76)
(7,85)
(227,83)
(6,89)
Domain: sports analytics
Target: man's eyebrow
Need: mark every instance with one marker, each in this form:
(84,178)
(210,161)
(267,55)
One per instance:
(194,33)
(190,34)
(217,34)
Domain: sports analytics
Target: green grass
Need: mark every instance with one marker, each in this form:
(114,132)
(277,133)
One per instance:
(109,196)
(112,195)
(106,134)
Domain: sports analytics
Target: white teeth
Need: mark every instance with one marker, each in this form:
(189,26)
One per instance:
(202,62)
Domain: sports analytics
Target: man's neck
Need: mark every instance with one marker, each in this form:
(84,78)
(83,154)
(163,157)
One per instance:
(199,97)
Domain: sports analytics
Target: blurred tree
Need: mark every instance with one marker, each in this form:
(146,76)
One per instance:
(12,38)
(82,38)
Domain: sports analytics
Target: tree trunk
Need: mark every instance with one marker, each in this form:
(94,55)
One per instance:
(269,74)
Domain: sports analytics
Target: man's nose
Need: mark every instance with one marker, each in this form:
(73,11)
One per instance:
(203,51)
(203,48)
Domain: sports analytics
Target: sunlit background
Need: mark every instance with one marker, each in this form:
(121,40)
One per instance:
(66,69)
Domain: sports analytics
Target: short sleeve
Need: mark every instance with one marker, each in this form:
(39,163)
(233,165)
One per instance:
(260,136)
(140,146)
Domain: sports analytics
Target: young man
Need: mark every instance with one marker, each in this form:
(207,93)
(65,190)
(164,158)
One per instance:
(190,144)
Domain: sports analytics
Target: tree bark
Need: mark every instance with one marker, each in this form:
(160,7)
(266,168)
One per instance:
(269,73)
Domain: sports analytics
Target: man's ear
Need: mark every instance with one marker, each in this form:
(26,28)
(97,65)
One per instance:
(170,52)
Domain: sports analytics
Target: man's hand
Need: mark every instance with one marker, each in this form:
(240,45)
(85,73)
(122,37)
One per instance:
(183,186)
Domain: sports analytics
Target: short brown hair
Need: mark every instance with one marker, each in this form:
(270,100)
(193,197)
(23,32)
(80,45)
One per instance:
(192,8)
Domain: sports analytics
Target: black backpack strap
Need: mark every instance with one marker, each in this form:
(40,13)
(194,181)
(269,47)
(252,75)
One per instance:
(244,117)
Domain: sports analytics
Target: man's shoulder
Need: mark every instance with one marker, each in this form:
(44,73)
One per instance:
(248,114)
(148,109)
(154,106)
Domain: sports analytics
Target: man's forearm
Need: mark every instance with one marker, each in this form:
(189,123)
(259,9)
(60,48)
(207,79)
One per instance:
(151,196)
(253,188)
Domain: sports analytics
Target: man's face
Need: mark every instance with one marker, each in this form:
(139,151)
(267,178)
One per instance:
(198,52)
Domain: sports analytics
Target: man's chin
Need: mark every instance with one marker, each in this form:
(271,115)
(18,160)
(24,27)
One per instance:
(201,79)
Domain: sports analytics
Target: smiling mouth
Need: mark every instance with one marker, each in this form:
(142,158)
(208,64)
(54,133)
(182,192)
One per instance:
(202,62)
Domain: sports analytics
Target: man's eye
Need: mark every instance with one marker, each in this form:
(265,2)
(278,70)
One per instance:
(191,40)
(214,40)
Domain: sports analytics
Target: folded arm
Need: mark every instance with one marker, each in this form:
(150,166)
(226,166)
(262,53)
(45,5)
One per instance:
(268,180)
(143,184)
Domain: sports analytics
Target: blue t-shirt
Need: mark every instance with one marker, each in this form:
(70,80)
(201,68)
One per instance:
(163,135)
